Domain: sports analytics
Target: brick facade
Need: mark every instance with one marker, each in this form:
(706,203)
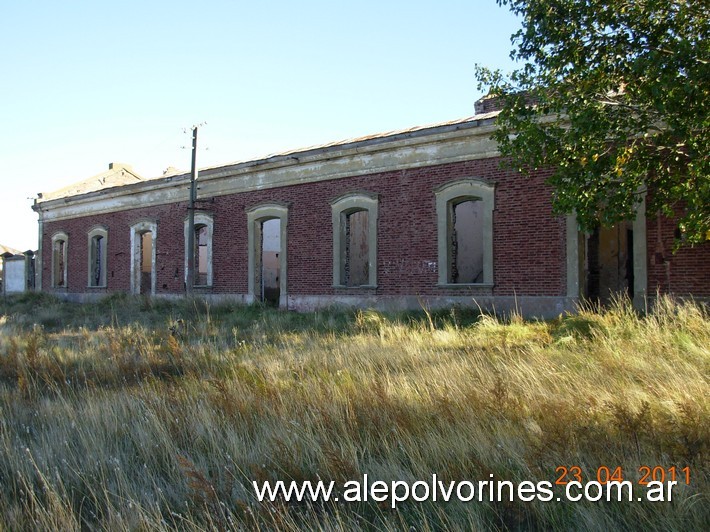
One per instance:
(683,273)
(531,247)
(524,233)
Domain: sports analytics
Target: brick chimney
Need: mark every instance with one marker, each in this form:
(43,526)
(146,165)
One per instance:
(488,104)
(120,166)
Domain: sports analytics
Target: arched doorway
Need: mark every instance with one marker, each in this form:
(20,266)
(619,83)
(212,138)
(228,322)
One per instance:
(267,254)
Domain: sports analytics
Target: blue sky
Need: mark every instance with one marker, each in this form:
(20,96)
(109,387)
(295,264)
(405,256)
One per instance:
(85,83)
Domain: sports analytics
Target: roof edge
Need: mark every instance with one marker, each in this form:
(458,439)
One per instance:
(290,157)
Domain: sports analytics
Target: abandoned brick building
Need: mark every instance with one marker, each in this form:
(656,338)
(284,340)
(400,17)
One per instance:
(425,216)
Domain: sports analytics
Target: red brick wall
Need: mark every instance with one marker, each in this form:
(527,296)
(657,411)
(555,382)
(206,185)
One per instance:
(529,243)
(170,248)
(687,272)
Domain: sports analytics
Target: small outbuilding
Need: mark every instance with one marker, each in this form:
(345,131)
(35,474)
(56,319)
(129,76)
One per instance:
(18,271)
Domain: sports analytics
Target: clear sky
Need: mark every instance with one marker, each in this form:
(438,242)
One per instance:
(85,83)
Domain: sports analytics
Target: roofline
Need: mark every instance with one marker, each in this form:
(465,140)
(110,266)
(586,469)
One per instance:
(413,136)
(46,196)
(366,141)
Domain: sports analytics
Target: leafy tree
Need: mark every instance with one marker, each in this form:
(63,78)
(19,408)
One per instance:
(614,96)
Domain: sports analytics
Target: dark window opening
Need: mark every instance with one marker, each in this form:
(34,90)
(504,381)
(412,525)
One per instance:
(201,255)
(60,250)
(98,254)
(146,258)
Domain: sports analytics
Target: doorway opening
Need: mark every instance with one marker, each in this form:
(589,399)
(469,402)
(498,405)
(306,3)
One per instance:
(610,263)
(466,242)
(269,269)
(143,258)
(267,254)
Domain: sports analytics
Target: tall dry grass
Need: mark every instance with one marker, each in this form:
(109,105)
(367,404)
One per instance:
(139,414)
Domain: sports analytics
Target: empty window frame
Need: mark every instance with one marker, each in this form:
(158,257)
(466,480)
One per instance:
(355,240)
(204,226)
(201,255)
(465,232)
(98,246)
(60,242)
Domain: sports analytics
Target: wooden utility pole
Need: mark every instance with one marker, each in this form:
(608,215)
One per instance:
(190,277)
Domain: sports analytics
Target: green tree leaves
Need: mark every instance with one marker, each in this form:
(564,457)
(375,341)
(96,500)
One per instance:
(614,96)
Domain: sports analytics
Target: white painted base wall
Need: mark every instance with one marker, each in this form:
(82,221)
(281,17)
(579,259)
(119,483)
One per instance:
(14,276)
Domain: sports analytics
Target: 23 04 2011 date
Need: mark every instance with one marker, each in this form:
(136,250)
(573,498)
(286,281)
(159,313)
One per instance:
(604,474)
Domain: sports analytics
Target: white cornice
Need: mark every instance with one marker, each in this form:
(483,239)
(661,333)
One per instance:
(454,143)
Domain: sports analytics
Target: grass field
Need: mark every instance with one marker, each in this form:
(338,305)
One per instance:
(140,414)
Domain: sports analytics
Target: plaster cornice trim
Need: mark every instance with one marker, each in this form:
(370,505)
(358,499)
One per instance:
(440,145)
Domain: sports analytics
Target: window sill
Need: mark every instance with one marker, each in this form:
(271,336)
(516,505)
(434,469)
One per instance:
(202,288)
(358,287)
(97,286)
(466,285)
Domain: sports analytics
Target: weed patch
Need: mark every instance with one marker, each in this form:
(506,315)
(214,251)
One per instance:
(149,414)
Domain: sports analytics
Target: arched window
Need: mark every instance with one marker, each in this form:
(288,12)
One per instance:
(464,212)
(60,242)
(98,246)
(203,249)
(355,240)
